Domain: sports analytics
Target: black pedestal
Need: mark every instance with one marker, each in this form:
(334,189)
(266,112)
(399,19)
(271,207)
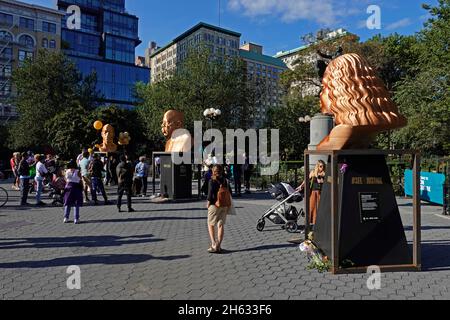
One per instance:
(176,180)
(370,228)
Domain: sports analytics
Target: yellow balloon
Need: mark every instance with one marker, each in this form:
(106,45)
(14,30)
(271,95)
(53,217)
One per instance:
(98,125)
(90,150)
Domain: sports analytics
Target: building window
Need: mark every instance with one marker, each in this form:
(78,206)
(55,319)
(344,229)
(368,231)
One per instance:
(44,43)
(26,40)
(52,44)
(23,55)
(6,53)
(27,23)
(5,36)
(6,19)
(49,27)
(5,71)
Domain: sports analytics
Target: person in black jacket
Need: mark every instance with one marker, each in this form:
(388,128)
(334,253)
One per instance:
(125,182)
(24,174)
(96,170)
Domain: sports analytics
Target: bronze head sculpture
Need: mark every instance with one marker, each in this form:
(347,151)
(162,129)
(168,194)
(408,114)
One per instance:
(177,141)
(108,144)
(360,103)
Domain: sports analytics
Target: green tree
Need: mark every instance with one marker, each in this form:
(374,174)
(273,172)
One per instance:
(46,86)
(72,130)
(424,95)
(200,82)
(294,137)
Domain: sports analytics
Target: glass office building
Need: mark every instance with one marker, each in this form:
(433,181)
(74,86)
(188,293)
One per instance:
(106,43)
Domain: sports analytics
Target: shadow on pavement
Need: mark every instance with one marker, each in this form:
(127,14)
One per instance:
(105,259)
(424,204)
(425,228)
(260,248)
(125,219)
(71,242)
(435,256)
(254,196)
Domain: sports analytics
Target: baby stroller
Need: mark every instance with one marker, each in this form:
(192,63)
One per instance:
(57,191)
(283,212)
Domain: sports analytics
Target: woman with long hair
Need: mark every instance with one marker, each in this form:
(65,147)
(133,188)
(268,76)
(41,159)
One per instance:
(316,180)
(217,212)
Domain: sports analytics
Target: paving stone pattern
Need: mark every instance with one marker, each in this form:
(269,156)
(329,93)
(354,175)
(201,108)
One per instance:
(160,252)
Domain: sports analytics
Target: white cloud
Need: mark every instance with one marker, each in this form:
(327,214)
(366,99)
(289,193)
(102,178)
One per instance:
(321,11)
(399,24)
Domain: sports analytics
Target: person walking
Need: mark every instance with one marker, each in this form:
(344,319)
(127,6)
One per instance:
(158,167)
(247,173)
(14,163)
(237,177)
(141,172)
(73,192)
(24,176)
(125,182)
(112,166)
(219,204)
(81,156)
(41,172)
(86,178)
(96,170)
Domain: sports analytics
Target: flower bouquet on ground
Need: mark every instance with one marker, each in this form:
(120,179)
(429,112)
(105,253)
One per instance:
(315,256)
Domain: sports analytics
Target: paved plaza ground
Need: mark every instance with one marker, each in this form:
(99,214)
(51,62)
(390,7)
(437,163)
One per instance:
(160,252)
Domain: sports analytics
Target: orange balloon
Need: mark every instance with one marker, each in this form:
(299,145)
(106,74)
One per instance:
(98,125)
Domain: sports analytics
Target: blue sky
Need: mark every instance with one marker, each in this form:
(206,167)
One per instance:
(275,24)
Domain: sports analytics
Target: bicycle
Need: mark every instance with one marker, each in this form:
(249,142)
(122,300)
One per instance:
(3,196)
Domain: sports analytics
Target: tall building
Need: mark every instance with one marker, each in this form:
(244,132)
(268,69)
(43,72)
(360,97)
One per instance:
(264,72)
(106,44)
(261,70)
(221,42)
(24,29)
(151,49)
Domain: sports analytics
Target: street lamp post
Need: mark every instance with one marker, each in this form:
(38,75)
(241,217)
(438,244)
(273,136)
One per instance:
(212,114)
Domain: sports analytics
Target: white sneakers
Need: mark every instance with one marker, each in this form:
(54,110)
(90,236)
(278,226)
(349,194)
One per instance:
(75,222)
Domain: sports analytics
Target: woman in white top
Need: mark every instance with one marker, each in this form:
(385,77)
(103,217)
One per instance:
(73,193)
(41,172)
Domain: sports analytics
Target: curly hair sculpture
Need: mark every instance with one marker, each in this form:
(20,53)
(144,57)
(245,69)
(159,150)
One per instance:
(360,103)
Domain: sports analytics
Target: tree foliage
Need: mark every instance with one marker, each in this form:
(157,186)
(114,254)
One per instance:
(200,82)
(72,130)
(416,71)
(47,86)
(294,137)
(424,95)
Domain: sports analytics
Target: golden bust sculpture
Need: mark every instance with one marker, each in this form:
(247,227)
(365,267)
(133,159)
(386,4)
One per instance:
(108,144)
(360,103)
(177,141)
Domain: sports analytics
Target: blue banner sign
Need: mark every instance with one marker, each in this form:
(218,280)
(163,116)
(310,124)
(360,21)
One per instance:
(431,186)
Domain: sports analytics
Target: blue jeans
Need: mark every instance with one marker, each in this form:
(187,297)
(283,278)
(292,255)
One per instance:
(97,184)
(67,212)
(39,188)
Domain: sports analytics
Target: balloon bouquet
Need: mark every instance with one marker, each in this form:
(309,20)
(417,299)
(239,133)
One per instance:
(124,138)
